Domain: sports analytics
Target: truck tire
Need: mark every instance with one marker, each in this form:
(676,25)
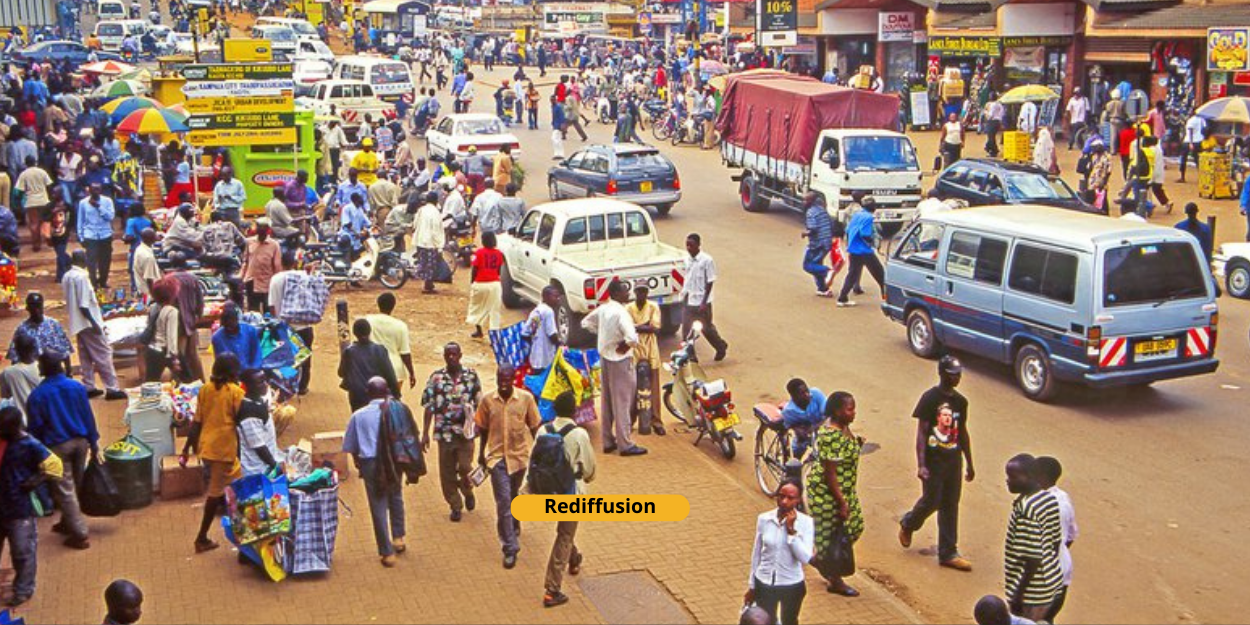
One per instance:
(753,201)
(569,325)
(663,209)
(511,299)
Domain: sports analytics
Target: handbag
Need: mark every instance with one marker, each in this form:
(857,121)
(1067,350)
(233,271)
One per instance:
(838,559)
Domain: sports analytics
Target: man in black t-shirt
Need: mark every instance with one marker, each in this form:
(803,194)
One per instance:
(942,443)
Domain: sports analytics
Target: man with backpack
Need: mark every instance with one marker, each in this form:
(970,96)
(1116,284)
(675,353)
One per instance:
(506,418)
(561,463)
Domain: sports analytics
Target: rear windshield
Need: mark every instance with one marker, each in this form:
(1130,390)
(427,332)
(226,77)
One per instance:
(480,127)
(641,160)
(110,30)
(1152,273)
(391,73)
(279,33)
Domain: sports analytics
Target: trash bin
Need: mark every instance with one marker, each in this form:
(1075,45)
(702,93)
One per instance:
(153,423)
(129,461)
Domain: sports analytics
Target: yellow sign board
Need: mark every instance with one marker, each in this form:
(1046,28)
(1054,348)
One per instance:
(257,104)
(256,136)
(247,51)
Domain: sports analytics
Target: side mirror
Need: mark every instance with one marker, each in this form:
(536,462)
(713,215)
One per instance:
(512,231)
(564,163)
(998,194)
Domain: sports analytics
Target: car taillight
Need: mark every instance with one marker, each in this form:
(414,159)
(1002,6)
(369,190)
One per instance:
(677,183)
(588,289)
(1093,344)
(462,148)
(612,188)
(516,146)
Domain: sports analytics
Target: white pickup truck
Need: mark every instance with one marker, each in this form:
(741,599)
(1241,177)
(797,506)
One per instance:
(580,246)
(348,100)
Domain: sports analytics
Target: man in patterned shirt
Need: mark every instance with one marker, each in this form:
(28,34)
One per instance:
(450,400)
(1034,535)
(48,334)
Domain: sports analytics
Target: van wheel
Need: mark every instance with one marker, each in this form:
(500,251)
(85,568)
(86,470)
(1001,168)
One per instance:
(663,209)
(1237,280)
(511,299)
(752,200)
(1034,373)
(920,334)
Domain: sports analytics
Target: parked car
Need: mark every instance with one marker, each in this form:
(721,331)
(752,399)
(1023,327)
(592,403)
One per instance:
(111,10)
(59,51)
(1059,295)
(581,246)
(987,182)
(1231,264)
(112,33)
(625,171)
(308,73)
(302,28)
(351,101)
(454,134)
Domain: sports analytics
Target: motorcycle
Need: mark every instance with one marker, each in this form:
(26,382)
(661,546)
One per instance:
(706,406)
(334,263)
(460,242)
(692,130)
(394,267)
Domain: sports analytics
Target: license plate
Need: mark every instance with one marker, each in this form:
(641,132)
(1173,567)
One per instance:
(725,423)
(1147,351)
(885,191)
(645,187)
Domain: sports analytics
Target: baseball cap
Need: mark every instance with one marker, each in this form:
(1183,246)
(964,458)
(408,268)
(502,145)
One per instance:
(366,142)
(950,365)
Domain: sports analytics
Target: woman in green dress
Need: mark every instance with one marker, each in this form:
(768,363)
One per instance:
(831,486)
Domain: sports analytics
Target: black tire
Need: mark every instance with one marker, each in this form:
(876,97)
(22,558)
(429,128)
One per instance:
(768,472)
(749,193)
(511,299)
(570,327)
(1237,279)
(678,136)
(663,209)
(391,272)
(726,445)
(1034,373)
(920,335)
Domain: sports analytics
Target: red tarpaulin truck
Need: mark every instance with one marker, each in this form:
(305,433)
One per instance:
(790,134)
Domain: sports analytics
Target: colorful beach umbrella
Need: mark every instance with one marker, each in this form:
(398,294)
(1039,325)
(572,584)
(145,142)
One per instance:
(107,68)
(120,89)
(153,121)
(180,108)
(1234,110)
(1028,93)
(141,75)
(118,109)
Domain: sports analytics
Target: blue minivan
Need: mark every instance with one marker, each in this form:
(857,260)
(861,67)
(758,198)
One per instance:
(1061,296)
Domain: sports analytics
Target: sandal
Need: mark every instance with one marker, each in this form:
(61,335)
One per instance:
(201,547)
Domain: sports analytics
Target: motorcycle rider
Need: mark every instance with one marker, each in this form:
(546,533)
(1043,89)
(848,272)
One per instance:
(354,226)
(353,186)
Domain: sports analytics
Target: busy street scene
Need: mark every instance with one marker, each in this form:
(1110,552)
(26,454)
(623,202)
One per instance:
(652,311)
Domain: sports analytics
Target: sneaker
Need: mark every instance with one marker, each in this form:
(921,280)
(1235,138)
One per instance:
(904,537)
(659,430)
(94,393)
(720,353)
(470,502)
(553,599)
(80,544)
(509,561)
(455,516)
(114,394)
(847,304)
(609,450)
(634,451)
(398,545)
(824,293)
(957,563)
(390,561)
(857,291)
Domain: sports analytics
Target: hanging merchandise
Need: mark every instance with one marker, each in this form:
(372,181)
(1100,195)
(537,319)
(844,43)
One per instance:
(1175,59)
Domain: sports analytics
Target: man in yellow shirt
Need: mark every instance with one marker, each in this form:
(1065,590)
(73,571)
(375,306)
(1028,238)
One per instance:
(366,163)
(646,317)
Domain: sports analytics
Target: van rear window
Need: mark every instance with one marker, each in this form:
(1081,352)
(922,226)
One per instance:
(1151,273)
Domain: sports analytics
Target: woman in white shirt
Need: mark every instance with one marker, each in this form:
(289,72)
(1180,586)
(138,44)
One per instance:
(785,540)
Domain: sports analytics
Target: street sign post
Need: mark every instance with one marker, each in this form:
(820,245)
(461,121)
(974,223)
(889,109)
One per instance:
(238,104)
(777,22)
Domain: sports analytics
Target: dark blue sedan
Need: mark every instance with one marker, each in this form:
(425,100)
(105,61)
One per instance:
(60,51)
(625,171)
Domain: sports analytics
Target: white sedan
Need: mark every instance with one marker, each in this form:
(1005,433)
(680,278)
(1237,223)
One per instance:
(1231,265)
(455,134)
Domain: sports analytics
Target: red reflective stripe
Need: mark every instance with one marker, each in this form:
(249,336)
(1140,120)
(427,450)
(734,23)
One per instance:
(1113,352)
(679,277)
(1198,343)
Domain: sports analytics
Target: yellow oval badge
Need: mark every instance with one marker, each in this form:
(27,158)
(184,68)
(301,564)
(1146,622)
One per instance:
(600,508)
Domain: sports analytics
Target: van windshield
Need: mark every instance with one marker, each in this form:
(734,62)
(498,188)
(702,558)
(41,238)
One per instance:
(880,153)
(279,33)
(391,73)
(1152,273)
(303,28)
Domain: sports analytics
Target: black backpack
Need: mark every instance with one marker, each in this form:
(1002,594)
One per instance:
(1083,164)
(550,472)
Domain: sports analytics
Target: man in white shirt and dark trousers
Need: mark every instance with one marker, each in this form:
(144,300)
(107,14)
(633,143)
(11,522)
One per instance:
(1049,470)
(617,338)
(86,325)
(1195,132)
(696,295)
(1078,112)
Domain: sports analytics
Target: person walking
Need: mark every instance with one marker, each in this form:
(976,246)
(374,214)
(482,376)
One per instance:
(1100,176)
(1077,112)
(86,325)
(95,232)
(26,463)
(784,542)
(860,234)
(383,486)
(1158,167)
(1195,133)
(1044,157)
(819,235)
(450,399)
(362,361)
(1049,470)
(580,455)
(951,140)
(647,320)
(506,420)
(1200,230)
(262,262)
(485,289)
(429,237)
(832,488)
(59,415)
(277,292)
(1034,535)
(616,340)
(392,333)
(995,113)
(36,187)
(942,444)
(696,295)
(213,438)
(47,332)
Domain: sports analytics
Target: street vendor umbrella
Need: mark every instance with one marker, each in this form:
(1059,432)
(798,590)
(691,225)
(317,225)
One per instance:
(153,121)
(1234,110)
(178,108)
(118,109)
(119,89)
(713,68)
(1028,93)
(141,75)
(107,68)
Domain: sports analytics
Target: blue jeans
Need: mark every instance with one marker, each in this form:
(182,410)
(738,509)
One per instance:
(22,538)
(67,191)
(62,259)
(506,487)
(386,507)
(813,263)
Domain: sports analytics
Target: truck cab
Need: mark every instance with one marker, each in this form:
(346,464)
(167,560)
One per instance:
(879,163)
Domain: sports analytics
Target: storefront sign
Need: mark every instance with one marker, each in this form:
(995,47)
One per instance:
(238,88)
(644,23)
(777,22)
(1015,42)
(250,121)
(263,136)
(1228,49)
(575,18)
(1241,79)
(895,26)
(273,177)
(805,46)
(237,71)
(262,104)
(965,46)
(665,18)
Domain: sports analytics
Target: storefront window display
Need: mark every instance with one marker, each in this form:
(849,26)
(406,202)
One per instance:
(1172,63)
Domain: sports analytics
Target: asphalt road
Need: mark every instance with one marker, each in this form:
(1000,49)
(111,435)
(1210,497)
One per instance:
(1149,471)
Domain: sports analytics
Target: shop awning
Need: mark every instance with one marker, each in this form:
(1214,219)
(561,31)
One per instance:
(1172,22)
(1118,50)
(959,21)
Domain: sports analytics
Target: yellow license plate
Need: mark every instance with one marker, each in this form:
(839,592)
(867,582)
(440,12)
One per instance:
(725,423)
(645,187)
(1147,350)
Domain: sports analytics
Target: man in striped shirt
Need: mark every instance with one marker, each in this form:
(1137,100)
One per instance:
(1034,536)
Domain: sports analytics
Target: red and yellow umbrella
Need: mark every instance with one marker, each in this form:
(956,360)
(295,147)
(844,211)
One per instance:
(153,121)
(118,109)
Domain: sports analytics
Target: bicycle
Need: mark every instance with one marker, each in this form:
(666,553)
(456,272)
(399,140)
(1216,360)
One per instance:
(774,451)
(665,126)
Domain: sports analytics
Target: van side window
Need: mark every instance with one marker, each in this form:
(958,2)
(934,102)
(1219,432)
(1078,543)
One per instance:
(921,245)
(636,225)
(1047,273)
(574,231)
(545,232)
(976,258)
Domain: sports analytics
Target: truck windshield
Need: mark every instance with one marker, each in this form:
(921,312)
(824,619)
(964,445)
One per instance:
(880,153)
(1151,273)
(279,33)
(1026,186)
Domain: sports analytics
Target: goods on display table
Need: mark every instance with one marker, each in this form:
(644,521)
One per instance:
(1215,175)
(1016,147)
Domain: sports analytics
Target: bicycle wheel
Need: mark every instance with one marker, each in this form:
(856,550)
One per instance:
(662,130)
(769,465)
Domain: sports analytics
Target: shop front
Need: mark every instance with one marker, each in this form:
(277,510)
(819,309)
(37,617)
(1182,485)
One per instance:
(1228,62)
(1036,61)
(887,36)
